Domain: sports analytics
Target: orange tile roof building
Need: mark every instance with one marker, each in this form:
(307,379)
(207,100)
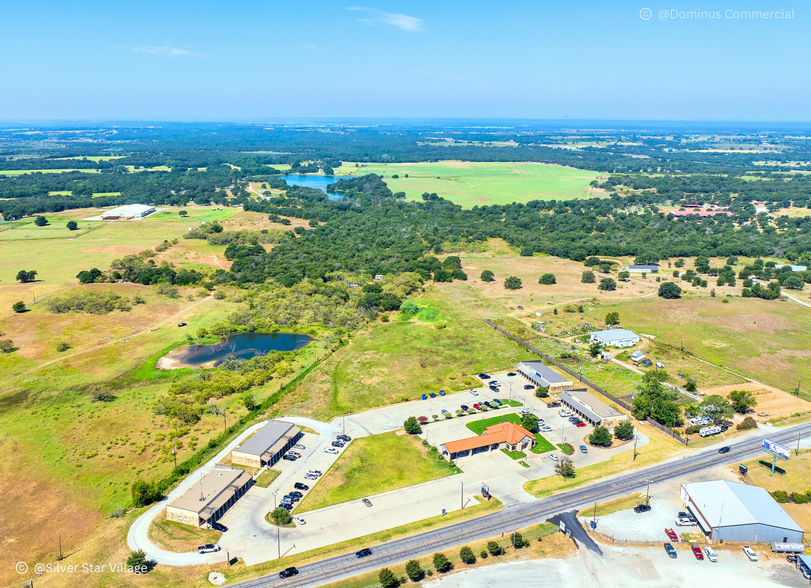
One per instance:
(504,435)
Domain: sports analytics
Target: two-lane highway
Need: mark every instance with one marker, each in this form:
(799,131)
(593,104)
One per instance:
(517,517)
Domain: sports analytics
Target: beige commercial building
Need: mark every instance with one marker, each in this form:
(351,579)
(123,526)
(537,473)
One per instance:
(591,409)
(209,499)
(268,445)
(506,435)
(543,376)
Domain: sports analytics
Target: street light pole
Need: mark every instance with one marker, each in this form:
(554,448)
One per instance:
(636,437)
(278,540)
(647,493)
(462,500)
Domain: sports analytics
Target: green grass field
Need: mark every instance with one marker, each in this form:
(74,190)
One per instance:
(19,172)
(479,425)
(372,465)
(471,184)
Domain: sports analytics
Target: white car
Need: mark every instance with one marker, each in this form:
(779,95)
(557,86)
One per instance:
(545,429)
(495,383)
(472,391)
(528,411)
(749,553)
(313,473)
(300,521)
(711,555)
(554,457)
(332,450)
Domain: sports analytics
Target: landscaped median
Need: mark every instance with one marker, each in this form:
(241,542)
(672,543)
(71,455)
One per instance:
(373,465)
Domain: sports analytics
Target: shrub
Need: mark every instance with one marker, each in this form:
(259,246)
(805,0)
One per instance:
(413,570)
(607,285)
(412,426)
(118,513)
(494,547)
(144,493)
(409,308)
(165,289)
(600,436)
(542,392)
(40,221)
(387,579)
(488,276)
(588,277)
(18,306)
(62,346)
(669,291)
(513,283)
(547,279)
(442,563)
(799,497)
(780,496)
(137,559)
(624,430)
(466,555)
(280,516)
(518,540)
(90,302)
(746,424)
(6,345)
(72,225)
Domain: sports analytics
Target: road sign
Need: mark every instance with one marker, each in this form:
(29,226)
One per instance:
(562,527)
(776,449)
(485,491)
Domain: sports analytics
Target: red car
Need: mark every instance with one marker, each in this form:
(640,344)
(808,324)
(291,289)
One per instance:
(477,406)
(671,535)
(580,424)
(698,553)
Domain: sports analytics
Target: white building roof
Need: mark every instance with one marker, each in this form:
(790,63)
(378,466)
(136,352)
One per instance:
(728,504)
(794,268)
(615,335)
(129,210)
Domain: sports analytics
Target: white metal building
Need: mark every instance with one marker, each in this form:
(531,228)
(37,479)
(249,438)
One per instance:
(615,338)
(128,211)
(732,511)
(642,269)
(543,376)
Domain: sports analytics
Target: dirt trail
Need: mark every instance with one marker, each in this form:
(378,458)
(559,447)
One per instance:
(103,345)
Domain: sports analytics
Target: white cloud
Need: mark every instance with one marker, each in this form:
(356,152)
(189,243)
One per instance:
(401,21)
(167,51)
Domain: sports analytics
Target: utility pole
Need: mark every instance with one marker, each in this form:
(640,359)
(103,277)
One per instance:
(636,437)
(594,519)
(682,344)
(224,422)
(462,499)
(174,454)
(278,540)
(60,546)
(647,494)
(580,365)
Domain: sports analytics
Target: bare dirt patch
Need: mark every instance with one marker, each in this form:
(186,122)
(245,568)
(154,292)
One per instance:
(770,400)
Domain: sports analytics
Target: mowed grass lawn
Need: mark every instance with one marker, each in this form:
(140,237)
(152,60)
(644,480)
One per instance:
(797,478)
(479,425)
(372,465)
(471,184)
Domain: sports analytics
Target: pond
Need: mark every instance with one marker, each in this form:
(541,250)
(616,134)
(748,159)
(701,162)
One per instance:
(310,181)
(239,346)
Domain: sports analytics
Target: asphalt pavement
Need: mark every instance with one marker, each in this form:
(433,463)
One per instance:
(523,515)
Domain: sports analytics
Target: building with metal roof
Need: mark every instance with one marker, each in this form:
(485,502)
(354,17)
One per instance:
(208,500)
(590,408)
(615,338)
(794,268)
(128,211)
(731,511)
(543,376)
(268,445)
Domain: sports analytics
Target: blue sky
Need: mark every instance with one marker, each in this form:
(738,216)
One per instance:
(271,60)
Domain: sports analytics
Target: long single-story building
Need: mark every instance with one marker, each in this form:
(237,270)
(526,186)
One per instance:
(642,269)
(731,511)
(268,445)
(794,268)
(208,500)
(590,408)
(615,338)
(543,376)
(128,211)
(504,435)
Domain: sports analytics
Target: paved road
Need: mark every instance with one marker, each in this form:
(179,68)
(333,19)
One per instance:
(345,566)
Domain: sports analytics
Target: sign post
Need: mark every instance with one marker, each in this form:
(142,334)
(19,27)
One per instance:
(777,451)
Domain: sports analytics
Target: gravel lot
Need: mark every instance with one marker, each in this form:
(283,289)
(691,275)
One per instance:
(647,526)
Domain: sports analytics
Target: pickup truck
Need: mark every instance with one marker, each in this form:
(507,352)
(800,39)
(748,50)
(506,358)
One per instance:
(749,553)
(671,535)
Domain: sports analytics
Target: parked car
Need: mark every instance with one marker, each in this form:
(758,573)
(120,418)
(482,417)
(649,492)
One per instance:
(337,443)
(711,555)
(489,404)
(497,402)
(289,458)
(472,391)
(642,508)
(300,486)
(208,548)
(366,502)
(182,324)
(331,450)
(310,477)
(484,377)
(526,411)
(290,498)
(315,472)
(520,307)
(554,457)
(465,407)
(295,493)
(495,383)
(671,551)
(444,412)
(584,449)
(698,553)
(545,429)
(671,534)
(749,553)
(344,438)
(294,453)
(219,527)
(511,374)
(286,505)
(477,406)
(363,553)
(299,446)
(724,449)
(580,424)
(300,520)
(553,404)
(289,572)
(529,387)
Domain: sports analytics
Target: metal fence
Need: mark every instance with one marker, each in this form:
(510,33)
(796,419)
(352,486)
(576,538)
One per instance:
(590,384)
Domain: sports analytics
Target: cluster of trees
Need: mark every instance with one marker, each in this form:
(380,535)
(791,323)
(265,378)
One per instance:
(91,302)
(657,402)
(142,269)
(26,276)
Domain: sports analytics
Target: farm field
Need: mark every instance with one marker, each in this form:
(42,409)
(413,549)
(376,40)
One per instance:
(373,465)
(478,184)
